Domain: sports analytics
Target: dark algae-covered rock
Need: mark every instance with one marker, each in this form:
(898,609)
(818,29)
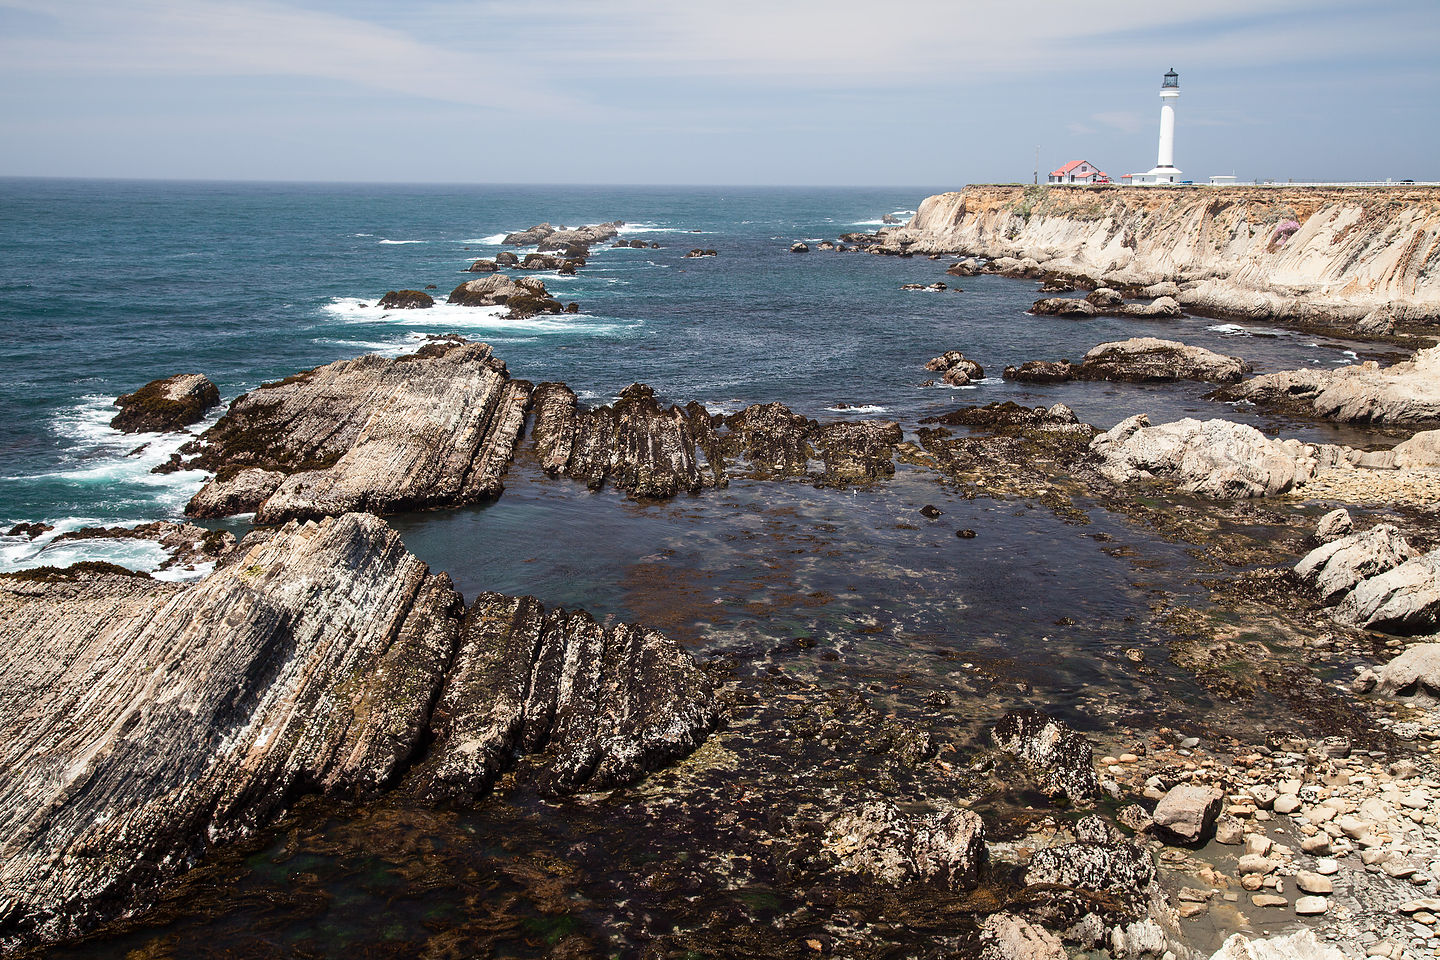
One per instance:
(406,300)
(171,403)
(1062,761)
(430,429)
(144,722)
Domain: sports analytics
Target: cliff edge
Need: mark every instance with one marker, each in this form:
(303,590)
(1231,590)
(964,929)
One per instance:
(1364,257)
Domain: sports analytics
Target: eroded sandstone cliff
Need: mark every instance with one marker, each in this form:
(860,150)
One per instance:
(1312,254)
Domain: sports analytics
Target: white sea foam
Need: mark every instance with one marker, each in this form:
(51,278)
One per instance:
(723,408)
(493,239)
(47,550)
(449,317)
(1229,330)
(864,409)
(1351,354)
(404,241)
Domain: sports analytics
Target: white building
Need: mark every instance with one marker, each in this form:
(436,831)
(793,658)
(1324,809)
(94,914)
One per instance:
(1165,170)
(1079,171)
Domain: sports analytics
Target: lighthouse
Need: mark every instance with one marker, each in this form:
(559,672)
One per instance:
(1165,171)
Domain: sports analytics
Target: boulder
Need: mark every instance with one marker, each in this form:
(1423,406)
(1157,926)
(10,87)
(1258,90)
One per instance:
(1063,307)
(1004,936)
(799,247)
(1061,759)
(484,266)
(506,259)
(1041,371)
(1404,600)
(406,300)
(825,245)
(1104,297)
(1187,813)
(1214,458)
(1414,675)
(1336,567)
(1165,307)
(877,840)
(1117,868)
(1334,525)
(956,368)
(1421,451)
(1300,945)
(964,268)
(434,428)
(170,403)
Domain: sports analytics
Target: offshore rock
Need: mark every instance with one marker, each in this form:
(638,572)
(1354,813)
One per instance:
(1063,307)
(171,403)
(1215,458)
(1150,360)
(1041,371)
(530,237)
(525,296)
(604,705)
(406,300)
(143,721)
(1408,392)
(1414,675)
(1404,600)
(956,369)
(581,238)
(483,266)
(1336,567)
(1061,759)
(877,840)
(655,452)
(430,429)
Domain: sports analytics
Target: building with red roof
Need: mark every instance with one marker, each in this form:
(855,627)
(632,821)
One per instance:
(1079,171)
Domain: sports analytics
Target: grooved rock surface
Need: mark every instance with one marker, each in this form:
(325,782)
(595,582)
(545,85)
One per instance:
(1336,567)
(1405,599)
(1062,760)
(141,722)
(1408,392)
(653,452)
(434,428)
(1358,251)
(141,719)
(166,404)
(1215,458)
(605,704)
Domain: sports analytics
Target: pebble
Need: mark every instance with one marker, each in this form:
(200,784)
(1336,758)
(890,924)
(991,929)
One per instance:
(1311,906)
(1313,883)
(1268,900)
(1253,863)
(1327,867)
(1287,803)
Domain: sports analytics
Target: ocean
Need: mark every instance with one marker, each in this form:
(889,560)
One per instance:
(105,285)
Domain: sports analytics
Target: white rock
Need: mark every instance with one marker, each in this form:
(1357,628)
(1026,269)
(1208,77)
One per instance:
(1334,525)
(1300,945)
(1311,906)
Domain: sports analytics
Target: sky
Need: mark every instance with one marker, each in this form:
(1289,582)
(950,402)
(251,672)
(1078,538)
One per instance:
(782,92)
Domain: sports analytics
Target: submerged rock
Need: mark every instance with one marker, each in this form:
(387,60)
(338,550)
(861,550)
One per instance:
(1062,760)
(170,403)
(1215,458)
(1408,392)
(877,840)
(144,722)
(433,428)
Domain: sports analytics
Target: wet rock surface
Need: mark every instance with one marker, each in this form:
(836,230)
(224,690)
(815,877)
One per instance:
(434,428)
(406,300)
(1062,761)
(655,452)
(171,403)
(177,718)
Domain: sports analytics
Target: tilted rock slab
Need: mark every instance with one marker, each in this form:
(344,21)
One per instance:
(1403,600)
(1215,458)
(1336,567)
(654,452)
(1408,392)
(143,722)
(435,428)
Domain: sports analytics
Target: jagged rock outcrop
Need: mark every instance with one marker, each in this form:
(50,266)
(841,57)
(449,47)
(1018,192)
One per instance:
(574,242)
(144,722)
(186,544)
(1404,599)
(1062,761)
(1215,458)
(1414,675)
(653,452)
(1408,392)
(1335,568)
(434,428)
(1356,250)
(406,300)
(1137,360)
(529,237)
(1091,306)
(956,369)
(877,840)
(525,296)
(170,403)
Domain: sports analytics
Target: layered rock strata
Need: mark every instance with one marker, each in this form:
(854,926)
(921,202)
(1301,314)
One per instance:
(143,722)
(1405,393)
(1137,360)
(654,452)
(1297,253)
(171,403)
(434,428)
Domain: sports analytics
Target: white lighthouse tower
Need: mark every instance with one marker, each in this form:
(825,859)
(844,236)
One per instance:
(1165,170)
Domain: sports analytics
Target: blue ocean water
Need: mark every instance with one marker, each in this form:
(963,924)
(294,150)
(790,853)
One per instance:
(105,285)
